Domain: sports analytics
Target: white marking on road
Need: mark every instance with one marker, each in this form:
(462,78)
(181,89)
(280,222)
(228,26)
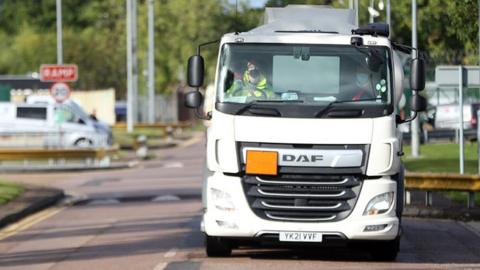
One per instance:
(171,253)
(173,165)
(104,202)
(166,198)
(160,266)
(470,227)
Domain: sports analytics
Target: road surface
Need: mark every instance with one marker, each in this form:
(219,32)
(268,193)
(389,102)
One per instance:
(148,218)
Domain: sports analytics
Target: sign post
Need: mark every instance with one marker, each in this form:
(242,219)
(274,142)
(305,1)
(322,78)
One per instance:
(60,90)
(460,105)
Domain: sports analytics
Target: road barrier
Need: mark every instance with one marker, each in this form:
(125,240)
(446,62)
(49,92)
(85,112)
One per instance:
(169,128)
(36,157)
(430,182)
(156,125)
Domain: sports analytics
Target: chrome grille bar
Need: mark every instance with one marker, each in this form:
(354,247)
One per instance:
(341,193)
(331,207)
(300,219)
(345,180)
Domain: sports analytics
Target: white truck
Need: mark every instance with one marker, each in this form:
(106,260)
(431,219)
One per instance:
(302,144)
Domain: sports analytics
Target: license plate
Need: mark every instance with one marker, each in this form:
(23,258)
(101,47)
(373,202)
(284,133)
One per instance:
(300,237)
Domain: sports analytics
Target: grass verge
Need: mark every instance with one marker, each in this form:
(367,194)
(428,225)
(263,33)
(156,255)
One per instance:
(442,157)
(9,191)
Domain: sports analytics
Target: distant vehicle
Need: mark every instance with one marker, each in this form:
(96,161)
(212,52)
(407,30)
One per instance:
(77,109)
(61,125)
(446,121)
(447,117)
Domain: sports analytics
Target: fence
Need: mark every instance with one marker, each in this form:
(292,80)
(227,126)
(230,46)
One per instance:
(166,108)
(39,158)
(430,182)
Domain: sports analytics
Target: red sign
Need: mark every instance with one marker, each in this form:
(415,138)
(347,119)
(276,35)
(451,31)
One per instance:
(58,73)
(60,91)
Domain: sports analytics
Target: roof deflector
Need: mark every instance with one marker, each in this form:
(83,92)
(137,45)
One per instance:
(307,19)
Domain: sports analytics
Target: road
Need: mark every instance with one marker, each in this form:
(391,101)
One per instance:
(148,218)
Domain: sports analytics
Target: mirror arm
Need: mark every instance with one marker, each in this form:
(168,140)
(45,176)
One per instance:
(202,116)
(206,44)
(400,121)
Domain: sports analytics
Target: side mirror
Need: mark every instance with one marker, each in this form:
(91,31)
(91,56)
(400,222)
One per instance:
(417,76)
(196,69)
(418,103)
(193,100)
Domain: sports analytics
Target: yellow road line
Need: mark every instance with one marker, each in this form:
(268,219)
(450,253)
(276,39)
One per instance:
(29,221)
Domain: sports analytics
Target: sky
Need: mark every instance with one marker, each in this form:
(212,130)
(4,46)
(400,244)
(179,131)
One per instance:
(253,3)
(257,3)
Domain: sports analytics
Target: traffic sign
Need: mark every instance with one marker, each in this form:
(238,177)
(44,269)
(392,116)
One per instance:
(60,91)
(58,73)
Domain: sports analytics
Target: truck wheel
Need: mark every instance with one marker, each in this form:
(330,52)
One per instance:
(385,250)
(217,247)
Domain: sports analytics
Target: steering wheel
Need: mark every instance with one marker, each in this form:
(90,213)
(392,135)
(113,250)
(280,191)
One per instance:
(263,94)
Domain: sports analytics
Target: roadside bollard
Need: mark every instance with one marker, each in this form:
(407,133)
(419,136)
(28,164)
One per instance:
(428,198)
(141,147)
(169,130)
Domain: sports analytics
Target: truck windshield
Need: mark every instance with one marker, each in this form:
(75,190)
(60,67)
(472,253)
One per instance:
(304,74)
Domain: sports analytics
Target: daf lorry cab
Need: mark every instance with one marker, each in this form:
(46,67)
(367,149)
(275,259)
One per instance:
(303,144)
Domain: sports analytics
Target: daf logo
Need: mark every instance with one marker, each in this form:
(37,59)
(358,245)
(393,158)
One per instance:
(302,158)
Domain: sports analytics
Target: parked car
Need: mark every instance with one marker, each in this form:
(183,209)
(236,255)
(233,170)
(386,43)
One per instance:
(60,125)
(447,116)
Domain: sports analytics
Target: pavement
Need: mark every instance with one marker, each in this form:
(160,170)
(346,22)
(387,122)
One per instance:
(33,199)
(148,217)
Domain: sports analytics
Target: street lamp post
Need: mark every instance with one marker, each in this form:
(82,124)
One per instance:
(415,140)
(129,68)
(151,63)
(59,32)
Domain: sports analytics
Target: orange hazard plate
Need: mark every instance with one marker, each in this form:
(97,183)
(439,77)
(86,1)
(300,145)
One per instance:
(262,162)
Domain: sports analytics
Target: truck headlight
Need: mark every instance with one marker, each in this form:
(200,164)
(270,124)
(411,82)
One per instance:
(222,200)
(379,204)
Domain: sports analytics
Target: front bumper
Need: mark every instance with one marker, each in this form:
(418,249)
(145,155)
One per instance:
(243,223)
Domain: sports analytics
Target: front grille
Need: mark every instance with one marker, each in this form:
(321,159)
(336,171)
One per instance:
(302,198)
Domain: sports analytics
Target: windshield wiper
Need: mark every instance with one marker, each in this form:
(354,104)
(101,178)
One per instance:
(264,110)
(329,105)
(278,101)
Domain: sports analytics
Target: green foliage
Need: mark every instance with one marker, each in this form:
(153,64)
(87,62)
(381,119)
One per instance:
(94,36)
(8,191)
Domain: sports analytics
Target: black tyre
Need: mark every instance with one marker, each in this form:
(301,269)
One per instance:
(83,143)
(217,246)
(385,250)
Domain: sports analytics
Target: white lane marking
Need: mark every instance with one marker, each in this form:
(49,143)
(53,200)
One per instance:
(470,228)
(173,165)
(166,198)
(160,266)
(171,253)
